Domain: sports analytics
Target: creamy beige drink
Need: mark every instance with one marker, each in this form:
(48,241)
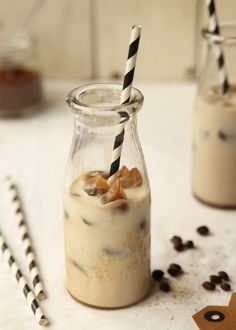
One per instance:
(214,147)
(107,241)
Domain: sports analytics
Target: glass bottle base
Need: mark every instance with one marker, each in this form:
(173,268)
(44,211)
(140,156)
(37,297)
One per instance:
(113,307)
(212,203)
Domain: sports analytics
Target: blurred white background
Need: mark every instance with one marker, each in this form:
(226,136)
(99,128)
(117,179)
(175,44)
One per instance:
(85,39)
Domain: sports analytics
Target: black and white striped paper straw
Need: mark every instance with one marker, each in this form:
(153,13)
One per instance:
(217,49)
(26,241)
(125,97)
(29,295)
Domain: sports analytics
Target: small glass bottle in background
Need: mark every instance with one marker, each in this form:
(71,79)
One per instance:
(214,126)
(20,79)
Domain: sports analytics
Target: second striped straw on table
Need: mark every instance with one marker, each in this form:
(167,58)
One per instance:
(214,28)
(24,287)
(125,97)
(26,241)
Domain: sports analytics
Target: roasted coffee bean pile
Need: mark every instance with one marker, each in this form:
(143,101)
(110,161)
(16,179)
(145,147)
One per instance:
(158,276)
(179,245)
(222,278)
(175,270)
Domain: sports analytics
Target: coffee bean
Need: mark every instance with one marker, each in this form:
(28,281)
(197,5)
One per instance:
(174,270)
(175,266)
(203,230)
(165,287)
(215,279)
(189,245)
(224,275)
(179,247)
(176,240)
(208,285)
(225,286)
(157,274)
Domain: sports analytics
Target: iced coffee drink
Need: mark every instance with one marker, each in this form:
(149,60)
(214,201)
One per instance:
(214,147)
(107,241)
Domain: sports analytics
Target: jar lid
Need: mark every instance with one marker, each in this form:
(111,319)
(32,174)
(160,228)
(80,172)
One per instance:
(15,51)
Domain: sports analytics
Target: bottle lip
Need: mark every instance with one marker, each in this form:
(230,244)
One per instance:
(222,38)
(75,102)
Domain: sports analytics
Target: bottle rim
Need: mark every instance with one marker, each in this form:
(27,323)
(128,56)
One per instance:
(222,38)
(75,100)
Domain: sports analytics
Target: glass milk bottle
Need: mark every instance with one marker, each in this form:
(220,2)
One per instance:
(106,225)
(214,126)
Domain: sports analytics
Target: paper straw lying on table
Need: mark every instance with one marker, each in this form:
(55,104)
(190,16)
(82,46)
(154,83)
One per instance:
(29,295)
(217,49)
(25,238)
(125,97)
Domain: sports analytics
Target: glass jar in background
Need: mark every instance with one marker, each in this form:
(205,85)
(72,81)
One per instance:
(214,126)
(20,79)
(106,225)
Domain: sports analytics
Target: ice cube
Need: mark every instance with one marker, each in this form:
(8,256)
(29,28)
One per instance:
(132,179)
(93,174)
(115,192)
(96,185)
(123,171)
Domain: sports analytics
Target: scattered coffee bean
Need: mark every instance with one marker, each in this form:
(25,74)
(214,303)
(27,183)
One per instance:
(179,247)
(208,285)
(157,275)
(215,279)
(225,286)
(174,270)
(203,230)
(224,275)
(175,266)
(176,240)
(165,287)
(189,245)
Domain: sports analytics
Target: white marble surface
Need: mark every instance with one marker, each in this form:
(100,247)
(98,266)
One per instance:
(34,152)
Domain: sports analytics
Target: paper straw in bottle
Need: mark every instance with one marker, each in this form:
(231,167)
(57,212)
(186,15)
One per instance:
(217,49)
(125,97)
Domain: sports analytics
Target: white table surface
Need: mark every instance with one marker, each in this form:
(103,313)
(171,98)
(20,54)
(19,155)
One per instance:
(34,152)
